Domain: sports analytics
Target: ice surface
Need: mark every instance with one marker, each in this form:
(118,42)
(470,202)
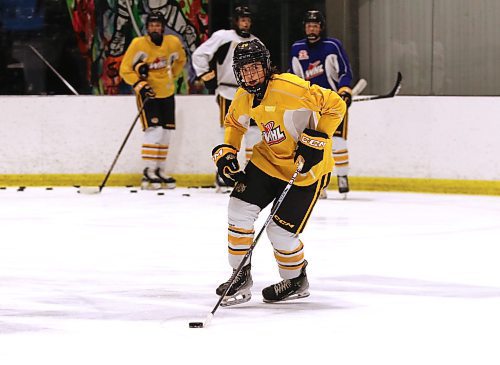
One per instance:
(115,278)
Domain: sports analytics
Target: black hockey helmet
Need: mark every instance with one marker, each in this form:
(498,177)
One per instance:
(314,16)
(250,52)
(241,12)
(155,16)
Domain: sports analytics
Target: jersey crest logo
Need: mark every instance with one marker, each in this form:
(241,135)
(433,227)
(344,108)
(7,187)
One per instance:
(240,187)
(271,134)
(158,63)
(315,69)
(303,55)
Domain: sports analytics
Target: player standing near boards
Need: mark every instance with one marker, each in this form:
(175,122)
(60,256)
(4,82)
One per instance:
(296,119)
(151,65)
(324,62)
(213,63)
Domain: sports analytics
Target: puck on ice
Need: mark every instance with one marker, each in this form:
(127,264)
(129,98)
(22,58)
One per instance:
(133,191)
(160,193)
(195,324)
(186,195)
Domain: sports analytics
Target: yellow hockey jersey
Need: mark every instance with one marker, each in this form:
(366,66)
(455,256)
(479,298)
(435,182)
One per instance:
(290,105)
(165,63)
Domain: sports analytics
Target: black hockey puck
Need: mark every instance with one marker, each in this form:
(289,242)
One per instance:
(133,191)
(186,194)
(160,193)
(195,324)
(48,188)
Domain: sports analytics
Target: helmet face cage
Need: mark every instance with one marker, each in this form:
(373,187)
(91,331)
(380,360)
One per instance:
(251,52)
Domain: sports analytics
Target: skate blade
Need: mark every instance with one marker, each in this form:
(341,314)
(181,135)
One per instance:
(169,185)
(300,295)
(151,186)
(238,298)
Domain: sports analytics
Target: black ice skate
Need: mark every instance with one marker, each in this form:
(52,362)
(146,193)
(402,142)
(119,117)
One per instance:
(166,181)
(343,184)
(240,290)
(288,289)
(150,181)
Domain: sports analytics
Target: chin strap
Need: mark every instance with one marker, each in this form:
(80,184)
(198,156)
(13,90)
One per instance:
(242,33)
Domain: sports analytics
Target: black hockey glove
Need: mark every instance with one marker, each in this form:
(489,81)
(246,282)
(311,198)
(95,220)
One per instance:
(226,160)
(346,94)
(142,69)
(143,88)
(210,80)
(310,146)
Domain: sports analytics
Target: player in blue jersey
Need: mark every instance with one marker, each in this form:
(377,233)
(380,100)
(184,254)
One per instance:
(324,62)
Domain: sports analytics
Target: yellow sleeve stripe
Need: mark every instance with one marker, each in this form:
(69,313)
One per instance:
(291,267)
(294,251)
(241,230)
(239,241)
(341,158)
(237,253)
(154,152)
(295,258)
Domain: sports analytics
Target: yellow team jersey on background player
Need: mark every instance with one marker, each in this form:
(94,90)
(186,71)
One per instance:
(290,105)
(165,63)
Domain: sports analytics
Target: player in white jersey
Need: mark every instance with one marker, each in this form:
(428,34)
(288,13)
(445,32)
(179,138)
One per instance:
(296,119)
(213,63)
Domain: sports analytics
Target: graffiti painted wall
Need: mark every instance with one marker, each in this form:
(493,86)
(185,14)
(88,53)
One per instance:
(105,28)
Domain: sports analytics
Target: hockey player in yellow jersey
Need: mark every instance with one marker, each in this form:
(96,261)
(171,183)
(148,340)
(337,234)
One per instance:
(295,119)
(151,65)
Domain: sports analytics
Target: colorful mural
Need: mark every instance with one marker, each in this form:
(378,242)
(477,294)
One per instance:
(105,28)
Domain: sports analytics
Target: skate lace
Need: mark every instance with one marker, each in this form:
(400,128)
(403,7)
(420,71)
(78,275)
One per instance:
(236,279)
(282,286)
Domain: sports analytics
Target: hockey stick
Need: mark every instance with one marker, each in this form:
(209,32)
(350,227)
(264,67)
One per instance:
(53,70)
(394,92)
(359,87)
(97,190)
(132,19)
(300,164)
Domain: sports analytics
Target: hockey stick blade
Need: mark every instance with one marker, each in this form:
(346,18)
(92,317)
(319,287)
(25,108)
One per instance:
(359,87)
(89,190)
(391,94)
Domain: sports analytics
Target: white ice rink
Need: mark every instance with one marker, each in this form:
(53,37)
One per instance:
(115,278)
